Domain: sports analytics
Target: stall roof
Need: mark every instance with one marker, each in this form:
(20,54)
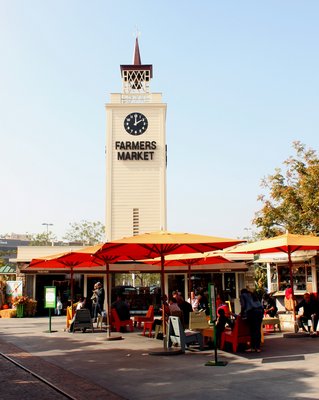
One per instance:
(27,253)
(7,270)
(297,256)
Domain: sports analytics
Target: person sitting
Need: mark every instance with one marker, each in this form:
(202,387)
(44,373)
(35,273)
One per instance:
(173,306)
(310,313)
(203,303)
(185,307)
(221,304)
(122,308)
(193,301)
(80,304)
(269,305)
(221,322)
(165,310)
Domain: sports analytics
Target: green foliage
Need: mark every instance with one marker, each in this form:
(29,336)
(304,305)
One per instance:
(42,239)
(292,203)
(260,280)
(141,279)
(85,232)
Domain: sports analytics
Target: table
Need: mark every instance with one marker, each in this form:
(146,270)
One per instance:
(273,321)
(208,332)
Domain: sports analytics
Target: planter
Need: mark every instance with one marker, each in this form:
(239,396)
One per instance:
(20,310)
(30,308)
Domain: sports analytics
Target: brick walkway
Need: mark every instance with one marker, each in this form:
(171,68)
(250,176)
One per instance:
(19,384)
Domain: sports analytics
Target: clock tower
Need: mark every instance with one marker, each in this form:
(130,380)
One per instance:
(135,154)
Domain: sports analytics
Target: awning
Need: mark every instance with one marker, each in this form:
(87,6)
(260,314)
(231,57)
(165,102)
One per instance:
(7,270)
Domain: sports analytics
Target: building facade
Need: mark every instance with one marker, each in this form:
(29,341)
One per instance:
(135,155)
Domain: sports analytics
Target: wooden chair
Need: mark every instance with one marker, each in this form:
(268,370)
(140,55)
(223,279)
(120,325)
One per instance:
(82,320)
(239,334)
(118,324)
(197,321)
(149,317)
(148,325)
(177,336)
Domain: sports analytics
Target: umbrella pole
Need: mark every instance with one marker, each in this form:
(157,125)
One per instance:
(189,281)
(163,292)
(72,290)
(292,284)
(108,301)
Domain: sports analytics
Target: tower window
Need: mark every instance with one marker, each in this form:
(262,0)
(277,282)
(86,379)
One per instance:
(136,221)
(136,81)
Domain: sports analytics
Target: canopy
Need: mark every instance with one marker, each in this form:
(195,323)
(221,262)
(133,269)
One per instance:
(287,243)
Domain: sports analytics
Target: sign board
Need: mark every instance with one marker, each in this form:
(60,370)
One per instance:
(212,302)
(49,297)
(14,288)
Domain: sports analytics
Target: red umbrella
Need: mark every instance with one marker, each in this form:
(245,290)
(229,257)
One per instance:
(81,259)
(161,244)
(189,260)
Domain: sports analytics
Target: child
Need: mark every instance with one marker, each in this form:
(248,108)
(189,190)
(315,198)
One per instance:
(221,322)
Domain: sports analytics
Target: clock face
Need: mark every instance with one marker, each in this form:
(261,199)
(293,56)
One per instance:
(135,123)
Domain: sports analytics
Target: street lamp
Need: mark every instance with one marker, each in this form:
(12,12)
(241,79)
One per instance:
(248,234)
(47,225)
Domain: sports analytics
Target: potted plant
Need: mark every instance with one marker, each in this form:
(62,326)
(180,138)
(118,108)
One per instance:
(19,303)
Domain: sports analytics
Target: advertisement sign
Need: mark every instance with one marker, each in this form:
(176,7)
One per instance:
(49,297)
(14,288)
(212,302)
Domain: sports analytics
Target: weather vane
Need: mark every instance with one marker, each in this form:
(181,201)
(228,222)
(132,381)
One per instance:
(136,32)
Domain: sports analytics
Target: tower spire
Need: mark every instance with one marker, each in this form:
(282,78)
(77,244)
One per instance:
(136,76)
(136,54)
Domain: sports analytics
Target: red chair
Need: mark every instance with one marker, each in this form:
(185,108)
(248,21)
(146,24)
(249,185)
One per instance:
(148,325)
(147,318)
(118,324)
(239,334)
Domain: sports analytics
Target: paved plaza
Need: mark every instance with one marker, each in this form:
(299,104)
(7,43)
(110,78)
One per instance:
(86,365)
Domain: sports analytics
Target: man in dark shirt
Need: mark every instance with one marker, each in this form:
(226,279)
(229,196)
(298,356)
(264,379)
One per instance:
(122,308)
(310,312)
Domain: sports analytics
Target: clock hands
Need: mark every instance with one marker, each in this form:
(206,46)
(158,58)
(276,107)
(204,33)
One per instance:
(135,120)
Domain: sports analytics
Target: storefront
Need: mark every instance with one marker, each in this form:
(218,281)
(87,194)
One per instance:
(305,274)
(228,278)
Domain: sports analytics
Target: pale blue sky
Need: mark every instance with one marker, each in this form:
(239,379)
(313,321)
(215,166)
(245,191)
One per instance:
(240,79)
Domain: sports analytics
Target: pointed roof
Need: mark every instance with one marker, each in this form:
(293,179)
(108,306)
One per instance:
(137,63)
(136,54)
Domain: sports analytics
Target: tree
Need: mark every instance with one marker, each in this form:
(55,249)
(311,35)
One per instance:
(293,196)
(42,239)
(260,280)
(85,232)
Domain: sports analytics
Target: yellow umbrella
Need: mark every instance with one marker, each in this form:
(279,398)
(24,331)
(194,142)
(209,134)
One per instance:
(287,243)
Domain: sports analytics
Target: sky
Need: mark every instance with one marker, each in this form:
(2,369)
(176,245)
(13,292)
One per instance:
(241,83)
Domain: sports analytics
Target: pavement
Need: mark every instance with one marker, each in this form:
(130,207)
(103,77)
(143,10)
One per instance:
(87,365)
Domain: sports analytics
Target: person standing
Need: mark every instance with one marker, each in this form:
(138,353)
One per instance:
(100,297)
(59,306)
(94,303)
(252,311)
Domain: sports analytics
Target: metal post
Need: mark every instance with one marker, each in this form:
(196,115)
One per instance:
(47,225)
